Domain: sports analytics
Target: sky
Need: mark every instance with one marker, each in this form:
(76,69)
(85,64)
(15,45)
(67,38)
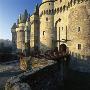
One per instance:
(9,13)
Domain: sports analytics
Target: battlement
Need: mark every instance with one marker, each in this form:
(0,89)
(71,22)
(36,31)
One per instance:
(62,7)
(66,5)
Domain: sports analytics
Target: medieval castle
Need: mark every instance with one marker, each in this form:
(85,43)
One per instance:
(56,22)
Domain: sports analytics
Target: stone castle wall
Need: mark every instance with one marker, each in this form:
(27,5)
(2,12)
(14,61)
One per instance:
(79,34)
(72,27)
(34,33)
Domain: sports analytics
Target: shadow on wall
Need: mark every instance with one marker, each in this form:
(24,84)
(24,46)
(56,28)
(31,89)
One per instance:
(44,47)
(80,62)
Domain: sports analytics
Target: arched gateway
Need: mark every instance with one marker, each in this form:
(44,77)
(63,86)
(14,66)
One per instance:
(63,48)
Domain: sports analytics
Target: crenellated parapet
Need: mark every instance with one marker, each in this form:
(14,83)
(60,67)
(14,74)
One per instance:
(46,8)
(60,7)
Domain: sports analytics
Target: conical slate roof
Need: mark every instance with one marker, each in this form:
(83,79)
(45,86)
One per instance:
(23,18)
(14,26)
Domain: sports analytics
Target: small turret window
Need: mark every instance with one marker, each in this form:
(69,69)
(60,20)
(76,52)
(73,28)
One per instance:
(79,46)
(46,11)
(60,1)
(60,9)
(52,11)
(49,11)
(62,28)
(46,19)
(78,29)
(64,8)
(49,3)
(57,10)
(43,33)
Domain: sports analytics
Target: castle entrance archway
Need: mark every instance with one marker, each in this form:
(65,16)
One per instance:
(63,48)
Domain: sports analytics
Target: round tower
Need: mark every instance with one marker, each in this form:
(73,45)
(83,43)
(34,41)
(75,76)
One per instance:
(46,14)
(27,37)
(20,31)
(27,31)
(20,36)
(14,35)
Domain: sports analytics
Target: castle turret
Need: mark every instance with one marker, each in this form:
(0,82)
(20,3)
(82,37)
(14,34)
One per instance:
(27,30)
(34,32)
(14,35)
(20,31)
(27,37)
(46,13)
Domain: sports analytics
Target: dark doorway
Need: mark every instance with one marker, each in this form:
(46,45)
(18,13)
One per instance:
(63,48)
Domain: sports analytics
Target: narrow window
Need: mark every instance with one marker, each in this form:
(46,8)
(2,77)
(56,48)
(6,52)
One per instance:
(46,11)
(46,19)
(52,11)
(60,1)
(62,28)
(43,32)
(57,10)
(49,3)
(64,8)
(60,9)
(78,29)
(79,46)
(49,11)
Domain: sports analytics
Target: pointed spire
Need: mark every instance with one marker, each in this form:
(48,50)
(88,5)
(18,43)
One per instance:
(25,12)
(14,26)
(25,15)
(17,21)
(29,17)
(36,9)
(19,18)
